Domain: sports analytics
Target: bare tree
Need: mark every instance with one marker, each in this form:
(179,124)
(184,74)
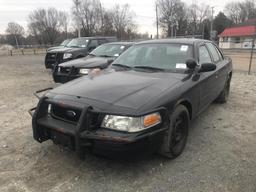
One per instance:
(64,21)
(88,14)
(172,14)
(106,26)
(123,20)
(46,24)
(197,14)
(234,12)
(241,11)
(15,31)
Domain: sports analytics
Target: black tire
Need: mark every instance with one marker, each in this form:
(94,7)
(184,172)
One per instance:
(175,137)
(223,97)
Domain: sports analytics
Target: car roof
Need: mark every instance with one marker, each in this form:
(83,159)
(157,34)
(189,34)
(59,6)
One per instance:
(190,41)
(120,43)
(98,37)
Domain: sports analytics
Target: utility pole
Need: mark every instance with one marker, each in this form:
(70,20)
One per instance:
(212,22)
(157,24)
(252,50)
(78,25)
(250,65)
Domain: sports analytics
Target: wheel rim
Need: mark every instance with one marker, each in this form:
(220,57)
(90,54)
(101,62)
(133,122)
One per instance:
(179,133)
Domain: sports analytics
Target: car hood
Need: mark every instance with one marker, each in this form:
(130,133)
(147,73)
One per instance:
(129,89)
(65,50)
(87,62)
(53,48)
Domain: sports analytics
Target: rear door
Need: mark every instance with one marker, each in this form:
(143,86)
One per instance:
(221,70)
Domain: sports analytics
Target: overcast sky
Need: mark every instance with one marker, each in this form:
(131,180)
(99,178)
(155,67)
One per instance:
(18,10)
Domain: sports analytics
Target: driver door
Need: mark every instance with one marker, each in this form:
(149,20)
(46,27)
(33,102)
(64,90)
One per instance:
(207,79)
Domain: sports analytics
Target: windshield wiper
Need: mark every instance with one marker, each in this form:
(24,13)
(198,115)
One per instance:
(149,67)
(121,65)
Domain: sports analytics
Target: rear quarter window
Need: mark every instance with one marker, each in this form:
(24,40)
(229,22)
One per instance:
(215,53)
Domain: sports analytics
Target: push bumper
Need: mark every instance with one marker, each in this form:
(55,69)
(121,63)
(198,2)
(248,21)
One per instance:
(60,77)
(80,136)
(63,78)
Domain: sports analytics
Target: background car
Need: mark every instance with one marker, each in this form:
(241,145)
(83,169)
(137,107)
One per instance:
(63,44)
(145,104)
(76,48)
(101,58)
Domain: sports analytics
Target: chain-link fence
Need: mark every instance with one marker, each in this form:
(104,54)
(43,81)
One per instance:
(242,53)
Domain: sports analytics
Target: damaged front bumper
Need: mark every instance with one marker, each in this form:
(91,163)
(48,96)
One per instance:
(83,134)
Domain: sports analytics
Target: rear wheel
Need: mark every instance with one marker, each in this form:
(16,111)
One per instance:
(175,137)
(223,97)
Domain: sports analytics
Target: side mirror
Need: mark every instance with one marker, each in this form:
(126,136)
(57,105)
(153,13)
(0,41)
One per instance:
(191,63)
(206,67)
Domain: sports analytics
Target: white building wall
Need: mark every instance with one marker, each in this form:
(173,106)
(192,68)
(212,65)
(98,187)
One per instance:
(233,43)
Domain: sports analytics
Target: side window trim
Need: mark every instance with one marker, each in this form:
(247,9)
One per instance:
(219,52)
(206,44)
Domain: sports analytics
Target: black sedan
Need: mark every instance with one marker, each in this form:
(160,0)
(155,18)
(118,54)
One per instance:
(101,58)
(145,103)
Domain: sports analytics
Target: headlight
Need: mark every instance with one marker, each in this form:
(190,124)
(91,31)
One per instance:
(67,55)
(131,124)
(84,71)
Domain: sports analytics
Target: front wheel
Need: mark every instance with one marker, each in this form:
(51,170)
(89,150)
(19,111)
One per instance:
(175,137)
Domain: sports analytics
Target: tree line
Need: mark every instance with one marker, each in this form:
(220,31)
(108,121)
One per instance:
(176,18)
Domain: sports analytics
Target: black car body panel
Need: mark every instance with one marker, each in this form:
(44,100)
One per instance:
(78,107)
(55,56)
(69,70)
(63,44)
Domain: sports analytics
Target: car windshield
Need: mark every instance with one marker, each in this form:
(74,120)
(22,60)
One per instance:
(78,42)
(64,43)
(109,50)
(156,56)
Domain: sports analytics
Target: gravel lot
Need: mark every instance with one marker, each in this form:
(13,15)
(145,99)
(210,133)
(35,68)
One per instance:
(220,154)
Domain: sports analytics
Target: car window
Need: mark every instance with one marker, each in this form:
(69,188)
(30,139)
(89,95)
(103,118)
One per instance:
(204,56)
(215,54)
(163,56)
(78,42)
(111,50)
(94,43)
(64,43)
(102,41)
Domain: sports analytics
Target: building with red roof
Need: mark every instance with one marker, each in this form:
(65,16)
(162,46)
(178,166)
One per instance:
(238,36)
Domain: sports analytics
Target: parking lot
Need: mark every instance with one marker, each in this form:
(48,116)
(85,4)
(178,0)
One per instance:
(220,154)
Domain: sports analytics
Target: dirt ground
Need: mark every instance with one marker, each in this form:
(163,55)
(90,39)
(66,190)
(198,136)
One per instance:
(220,154)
